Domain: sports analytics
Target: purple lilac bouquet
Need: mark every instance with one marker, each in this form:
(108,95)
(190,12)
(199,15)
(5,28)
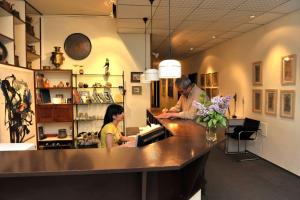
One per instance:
(212,112)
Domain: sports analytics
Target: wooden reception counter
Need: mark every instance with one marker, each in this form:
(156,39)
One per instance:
(172,168)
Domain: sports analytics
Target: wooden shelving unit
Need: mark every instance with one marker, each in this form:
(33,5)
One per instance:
(15,38)
(53,116)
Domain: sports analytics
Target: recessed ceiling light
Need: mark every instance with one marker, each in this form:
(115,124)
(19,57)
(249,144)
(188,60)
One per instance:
(213,37)
(252,16)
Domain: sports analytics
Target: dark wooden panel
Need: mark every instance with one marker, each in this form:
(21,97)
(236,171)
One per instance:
(125,186)
(44,114)
(63,113)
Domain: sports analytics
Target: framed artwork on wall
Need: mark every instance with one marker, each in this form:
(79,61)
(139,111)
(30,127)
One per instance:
(257,73)
(136,90)
(163,87)
(288,70)
(170,87)
(257,101)
(271,102)
(287,103)
(214,92)
(202,80)
(215,79)
(208,92)
(135,77)
(208,80)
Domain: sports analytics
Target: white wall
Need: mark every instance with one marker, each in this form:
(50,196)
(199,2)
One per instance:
(233,60)
(125,52)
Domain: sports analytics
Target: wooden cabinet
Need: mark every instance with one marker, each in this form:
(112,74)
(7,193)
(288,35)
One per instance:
(54,113)
(54,109)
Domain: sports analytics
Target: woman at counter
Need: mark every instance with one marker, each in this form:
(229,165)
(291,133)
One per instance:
(110,134)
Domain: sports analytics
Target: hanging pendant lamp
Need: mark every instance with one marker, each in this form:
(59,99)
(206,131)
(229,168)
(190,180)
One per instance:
(143,78)
(170,68)
(151,74)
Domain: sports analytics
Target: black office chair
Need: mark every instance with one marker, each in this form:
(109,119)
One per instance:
(248,131)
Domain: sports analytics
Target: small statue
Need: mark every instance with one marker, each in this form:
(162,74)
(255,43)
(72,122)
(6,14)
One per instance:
(106,66)
(57,57)
(235,100)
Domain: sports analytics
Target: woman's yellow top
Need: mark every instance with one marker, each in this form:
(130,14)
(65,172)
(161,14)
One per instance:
(110,128)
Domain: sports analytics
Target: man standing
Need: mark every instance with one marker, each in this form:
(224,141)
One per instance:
(184,108)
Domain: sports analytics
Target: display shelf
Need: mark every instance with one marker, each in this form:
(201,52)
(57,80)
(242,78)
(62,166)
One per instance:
(31,39)
(87,120)
(54,88)
(4,12)
(5,39)
(97,103)
(97,75)
(55,138)
(51,104)
(18,21)
(32,56)
(97,87)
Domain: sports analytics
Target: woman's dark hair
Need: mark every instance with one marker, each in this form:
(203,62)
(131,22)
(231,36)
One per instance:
(112,110)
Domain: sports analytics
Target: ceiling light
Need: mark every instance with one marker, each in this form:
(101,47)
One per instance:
(192,49)
(143,76)
(170,68)
(286,58)
(252,16)
(151,74)
(213,37)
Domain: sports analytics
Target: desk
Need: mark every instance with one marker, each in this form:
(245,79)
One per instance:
(171,169)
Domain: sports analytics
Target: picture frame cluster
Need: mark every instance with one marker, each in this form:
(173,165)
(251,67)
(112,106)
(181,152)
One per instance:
(210,84)
(286,96)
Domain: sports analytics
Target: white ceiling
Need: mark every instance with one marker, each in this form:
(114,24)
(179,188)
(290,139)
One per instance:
(193,22)
(72,7)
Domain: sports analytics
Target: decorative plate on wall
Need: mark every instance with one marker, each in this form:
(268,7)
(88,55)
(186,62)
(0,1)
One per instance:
(78,46)
(3,52)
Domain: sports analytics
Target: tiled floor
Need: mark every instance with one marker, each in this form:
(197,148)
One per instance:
(228,179)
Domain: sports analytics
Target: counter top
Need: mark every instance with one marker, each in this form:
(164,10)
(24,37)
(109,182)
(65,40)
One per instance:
(187,143)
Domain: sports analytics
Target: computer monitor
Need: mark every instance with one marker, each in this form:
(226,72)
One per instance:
(151,136)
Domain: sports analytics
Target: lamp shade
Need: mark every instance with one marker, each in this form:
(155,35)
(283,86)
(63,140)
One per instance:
(143,79)
(151,75)
(169,69)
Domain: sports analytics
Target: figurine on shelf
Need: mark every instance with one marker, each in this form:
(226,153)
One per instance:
(60,84)
(106,66)
(57,57)
(234,111)
(81,69)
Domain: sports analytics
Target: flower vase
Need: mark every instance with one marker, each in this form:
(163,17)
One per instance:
(211,134)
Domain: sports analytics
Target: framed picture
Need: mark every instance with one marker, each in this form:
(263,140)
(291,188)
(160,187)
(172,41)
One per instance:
(287,103)
(208,92)
(257,101)
(257,73)
(136,77)
(214,92)
(215,79)
(288,71)
(136,90)
(271,102)
(208,80)
(163,87)
(170,88)
(202,80)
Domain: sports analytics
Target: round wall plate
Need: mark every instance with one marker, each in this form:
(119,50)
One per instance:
(78,46)
(3,52)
